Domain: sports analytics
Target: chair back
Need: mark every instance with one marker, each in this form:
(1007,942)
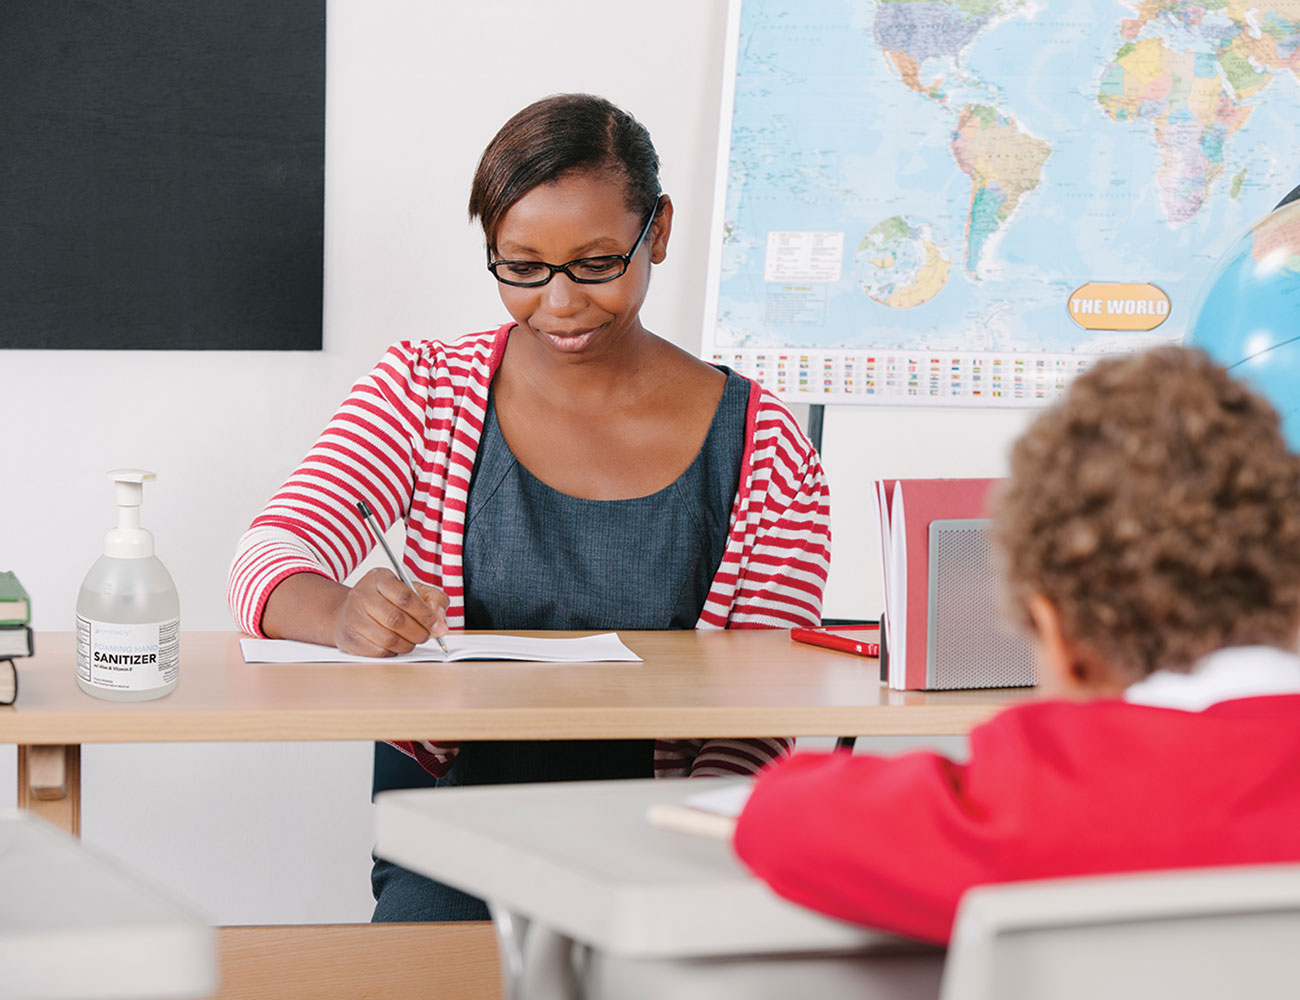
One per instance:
(1198,934)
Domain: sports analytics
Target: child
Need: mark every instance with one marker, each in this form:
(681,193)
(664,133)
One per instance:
(1150,529)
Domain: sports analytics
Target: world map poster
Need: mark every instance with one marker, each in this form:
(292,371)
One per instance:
(967,201)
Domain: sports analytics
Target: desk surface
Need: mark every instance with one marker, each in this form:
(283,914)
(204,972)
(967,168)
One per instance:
(691,684)
(581,858)
(74,925)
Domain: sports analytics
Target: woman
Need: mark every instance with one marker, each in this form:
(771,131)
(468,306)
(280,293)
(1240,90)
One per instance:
(570,470)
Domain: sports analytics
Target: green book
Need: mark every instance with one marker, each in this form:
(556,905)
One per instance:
(15,608)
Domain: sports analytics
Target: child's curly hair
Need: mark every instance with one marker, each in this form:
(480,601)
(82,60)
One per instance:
(1158,508)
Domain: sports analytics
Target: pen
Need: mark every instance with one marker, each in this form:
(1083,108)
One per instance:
(364,510)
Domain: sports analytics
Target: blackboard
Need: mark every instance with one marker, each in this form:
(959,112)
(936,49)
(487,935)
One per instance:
(162,174)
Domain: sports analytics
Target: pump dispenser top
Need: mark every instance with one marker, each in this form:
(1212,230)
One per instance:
(128,540)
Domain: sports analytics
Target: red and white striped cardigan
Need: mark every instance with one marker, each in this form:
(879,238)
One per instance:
(404,441)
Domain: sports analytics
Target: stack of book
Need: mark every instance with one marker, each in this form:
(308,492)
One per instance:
(15,633)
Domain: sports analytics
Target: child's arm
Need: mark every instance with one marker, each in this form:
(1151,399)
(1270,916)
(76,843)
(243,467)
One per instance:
(888,842)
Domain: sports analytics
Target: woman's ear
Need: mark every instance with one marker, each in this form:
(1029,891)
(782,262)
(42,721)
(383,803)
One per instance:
(660,230)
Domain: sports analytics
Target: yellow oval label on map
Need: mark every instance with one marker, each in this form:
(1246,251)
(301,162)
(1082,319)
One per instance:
(1114,305)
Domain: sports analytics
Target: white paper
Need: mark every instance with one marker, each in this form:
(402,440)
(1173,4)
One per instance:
(603,648)
(794,256)
(726,801)
(710,813)
(881,504)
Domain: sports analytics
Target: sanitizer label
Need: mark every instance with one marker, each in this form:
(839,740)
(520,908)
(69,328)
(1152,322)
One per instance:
(128,657)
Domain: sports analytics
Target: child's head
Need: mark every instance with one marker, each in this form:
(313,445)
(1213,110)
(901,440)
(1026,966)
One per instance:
(1150,518)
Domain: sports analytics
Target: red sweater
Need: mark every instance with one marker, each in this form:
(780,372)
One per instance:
(1051,789)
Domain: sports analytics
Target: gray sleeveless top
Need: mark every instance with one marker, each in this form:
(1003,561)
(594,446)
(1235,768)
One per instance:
(536,558)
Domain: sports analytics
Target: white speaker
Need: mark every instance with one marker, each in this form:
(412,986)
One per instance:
(968,643)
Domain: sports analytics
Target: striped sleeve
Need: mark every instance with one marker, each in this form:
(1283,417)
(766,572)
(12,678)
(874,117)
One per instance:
(404,442)
(778,555)
(784,573)
(366,452)
(436,758)
(772,575)
(719,758)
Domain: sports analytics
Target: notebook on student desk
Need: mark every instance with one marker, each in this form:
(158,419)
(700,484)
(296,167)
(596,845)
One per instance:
(708,813)
(603,648)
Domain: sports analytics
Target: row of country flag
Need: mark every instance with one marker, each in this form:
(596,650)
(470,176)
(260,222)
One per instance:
(969,375)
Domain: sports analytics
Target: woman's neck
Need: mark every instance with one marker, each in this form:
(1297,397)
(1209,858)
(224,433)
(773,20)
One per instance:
(622,369)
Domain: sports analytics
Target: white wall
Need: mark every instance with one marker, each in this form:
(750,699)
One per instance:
(268,833)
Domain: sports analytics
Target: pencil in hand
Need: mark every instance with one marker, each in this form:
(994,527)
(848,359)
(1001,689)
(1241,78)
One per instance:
(364,510)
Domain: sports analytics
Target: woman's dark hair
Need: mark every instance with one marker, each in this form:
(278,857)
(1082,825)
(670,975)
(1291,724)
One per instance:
(558,135)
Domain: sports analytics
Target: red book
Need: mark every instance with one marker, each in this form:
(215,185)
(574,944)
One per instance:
(905,510)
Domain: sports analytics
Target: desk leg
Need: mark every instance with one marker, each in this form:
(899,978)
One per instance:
(511,929)
(536,962)
(49,784)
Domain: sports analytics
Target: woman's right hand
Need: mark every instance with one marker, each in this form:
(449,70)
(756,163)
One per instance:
(381,616)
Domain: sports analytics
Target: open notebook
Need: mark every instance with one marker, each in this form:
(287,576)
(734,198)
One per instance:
(710,813)
(604,648)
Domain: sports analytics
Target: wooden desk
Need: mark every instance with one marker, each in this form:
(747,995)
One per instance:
(692,684)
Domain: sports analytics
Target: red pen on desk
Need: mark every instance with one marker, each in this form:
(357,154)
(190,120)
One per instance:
(828,636)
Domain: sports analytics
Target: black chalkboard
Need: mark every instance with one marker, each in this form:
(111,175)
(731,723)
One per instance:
(162,174)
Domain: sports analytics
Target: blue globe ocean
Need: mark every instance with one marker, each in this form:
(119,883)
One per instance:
(1248,317)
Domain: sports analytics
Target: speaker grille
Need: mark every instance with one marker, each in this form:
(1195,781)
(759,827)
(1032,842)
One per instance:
(968,645)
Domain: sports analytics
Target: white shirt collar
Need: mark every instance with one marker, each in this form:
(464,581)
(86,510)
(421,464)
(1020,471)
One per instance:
(1238,672)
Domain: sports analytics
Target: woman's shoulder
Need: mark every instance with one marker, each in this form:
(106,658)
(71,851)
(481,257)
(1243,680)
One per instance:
(775,426)
(470,358)
(466,349)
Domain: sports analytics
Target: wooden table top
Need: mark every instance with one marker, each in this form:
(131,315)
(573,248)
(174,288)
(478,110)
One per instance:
(691,684)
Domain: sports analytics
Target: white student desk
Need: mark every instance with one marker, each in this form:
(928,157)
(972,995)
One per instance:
(592,902)
(74,926)
(692,684)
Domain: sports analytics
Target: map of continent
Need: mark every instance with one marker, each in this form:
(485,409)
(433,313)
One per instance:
(1004,164)
(1189,73)
(900,265)
(979,161)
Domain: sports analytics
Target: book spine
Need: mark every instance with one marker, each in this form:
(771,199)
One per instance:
(9,634)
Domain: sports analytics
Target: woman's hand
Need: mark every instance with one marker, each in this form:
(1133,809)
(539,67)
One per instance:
(381,616)
(378,617)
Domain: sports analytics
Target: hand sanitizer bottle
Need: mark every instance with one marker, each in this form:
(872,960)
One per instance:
(128,614)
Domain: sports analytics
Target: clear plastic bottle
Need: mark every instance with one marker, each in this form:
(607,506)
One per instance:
(128,612)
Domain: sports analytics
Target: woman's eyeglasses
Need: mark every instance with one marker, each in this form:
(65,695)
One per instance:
(584,270)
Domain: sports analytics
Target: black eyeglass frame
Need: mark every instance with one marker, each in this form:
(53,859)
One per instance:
(624,258)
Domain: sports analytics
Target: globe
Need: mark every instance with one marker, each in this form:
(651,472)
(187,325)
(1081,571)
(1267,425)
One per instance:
(1248,314)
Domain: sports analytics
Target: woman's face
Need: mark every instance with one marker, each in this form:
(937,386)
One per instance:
(580,215)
